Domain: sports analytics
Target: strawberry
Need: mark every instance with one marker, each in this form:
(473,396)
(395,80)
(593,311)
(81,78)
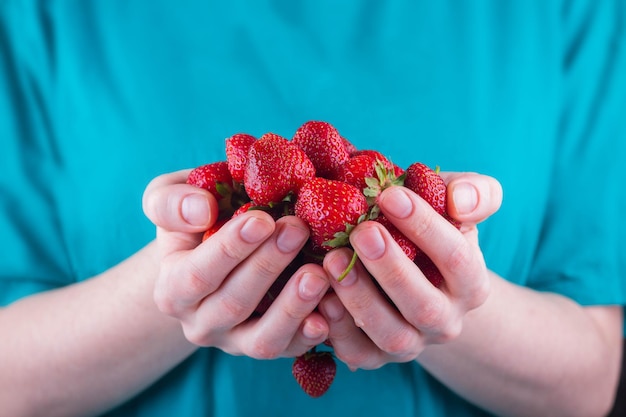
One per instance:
(213,229)
(331,209)
(237,147)
(375,155)
(276,168)
(349,146)
(214,177)
(409,248)
(323,145)
(356,169)
(385,177)
(314,371)
(429,269)
(427,183)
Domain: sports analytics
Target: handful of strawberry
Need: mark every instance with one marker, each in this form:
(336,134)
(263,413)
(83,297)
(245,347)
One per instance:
(322,178)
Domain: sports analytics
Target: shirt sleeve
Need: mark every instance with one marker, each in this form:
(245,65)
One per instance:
(582,239)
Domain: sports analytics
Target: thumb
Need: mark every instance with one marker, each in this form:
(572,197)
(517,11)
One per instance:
(472,197)
(178,208)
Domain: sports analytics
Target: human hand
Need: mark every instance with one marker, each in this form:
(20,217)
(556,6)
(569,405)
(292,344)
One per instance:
(366,330)
(213,287)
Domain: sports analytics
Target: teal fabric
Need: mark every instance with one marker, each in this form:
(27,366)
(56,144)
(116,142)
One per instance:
(98,97)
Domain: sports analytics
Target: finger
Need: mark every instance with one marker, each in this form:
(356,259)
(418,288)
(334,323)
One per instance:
(369,307)
(189,277)
(173,205)
(420,303)
(350,344)
(459,259)
(472,197)
(290,327)
(239,295)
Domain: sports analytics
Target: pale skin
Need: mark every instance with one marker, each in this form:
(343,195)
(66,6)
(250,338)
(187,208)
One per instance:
(504,347)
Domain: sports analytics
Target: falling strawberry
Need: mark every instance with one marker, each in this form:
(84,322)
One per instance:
(331,209)
(237,147)
(276,167)
(323,145)
(315,372)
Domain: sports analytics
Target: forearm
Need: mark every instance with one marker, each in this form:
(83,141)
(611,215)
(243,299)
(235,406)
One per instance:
(87,347)
(531,353)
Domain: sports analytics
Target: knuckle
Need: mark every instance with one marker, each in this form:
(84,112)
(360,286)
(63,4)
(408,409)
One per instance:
(235,308)
(163,301)
(401,345)
(424,226)
(447,333)
(395,275)
(267,266)
(356,359)
(261,348)
(461,259)
(196,335)
(430,315)
(231,251)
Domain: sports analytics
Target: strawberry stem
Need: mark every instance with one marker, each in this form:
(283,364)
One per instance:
(348,268)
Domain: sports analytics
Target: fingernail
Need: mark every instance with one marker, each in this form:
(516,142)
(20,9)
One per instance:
(369,243)
(255,230)
(195,209)
(334,310)
(397,203)
(290,238)
(465,197)
(337,264)
(311,286)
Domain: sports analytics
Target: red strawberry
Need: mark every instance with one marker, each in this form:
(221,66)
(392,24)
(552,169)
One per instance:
(323,145)
(356,169)
(331,209)
(427,184)
(213,229)
(214,177)
(429,269)
(237,147)
(409,248)
(315,372)
(276,167)
(349,146)
(375,155)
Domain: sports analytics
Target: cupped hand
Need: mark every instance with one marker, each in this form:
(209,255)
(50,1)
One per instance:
(370,327)
(213,287)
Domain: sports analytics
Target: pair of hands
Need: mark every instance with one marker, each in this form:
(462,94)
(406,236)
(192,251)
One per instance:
(213,287)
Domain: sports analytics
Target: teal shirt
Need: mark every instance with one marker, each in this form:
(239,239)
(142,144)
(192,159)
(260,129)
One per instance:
(99,97)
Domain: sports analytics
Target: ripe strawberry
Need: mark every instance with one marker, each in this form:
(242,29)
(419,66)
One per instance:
(427,184)
(276,167)
(237,147)
(214,177)
(213,229)
(375,155)
(409,248)
(428,268)
(331,209)
(315,372)
(349,146)
(323,145)
(356,169)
